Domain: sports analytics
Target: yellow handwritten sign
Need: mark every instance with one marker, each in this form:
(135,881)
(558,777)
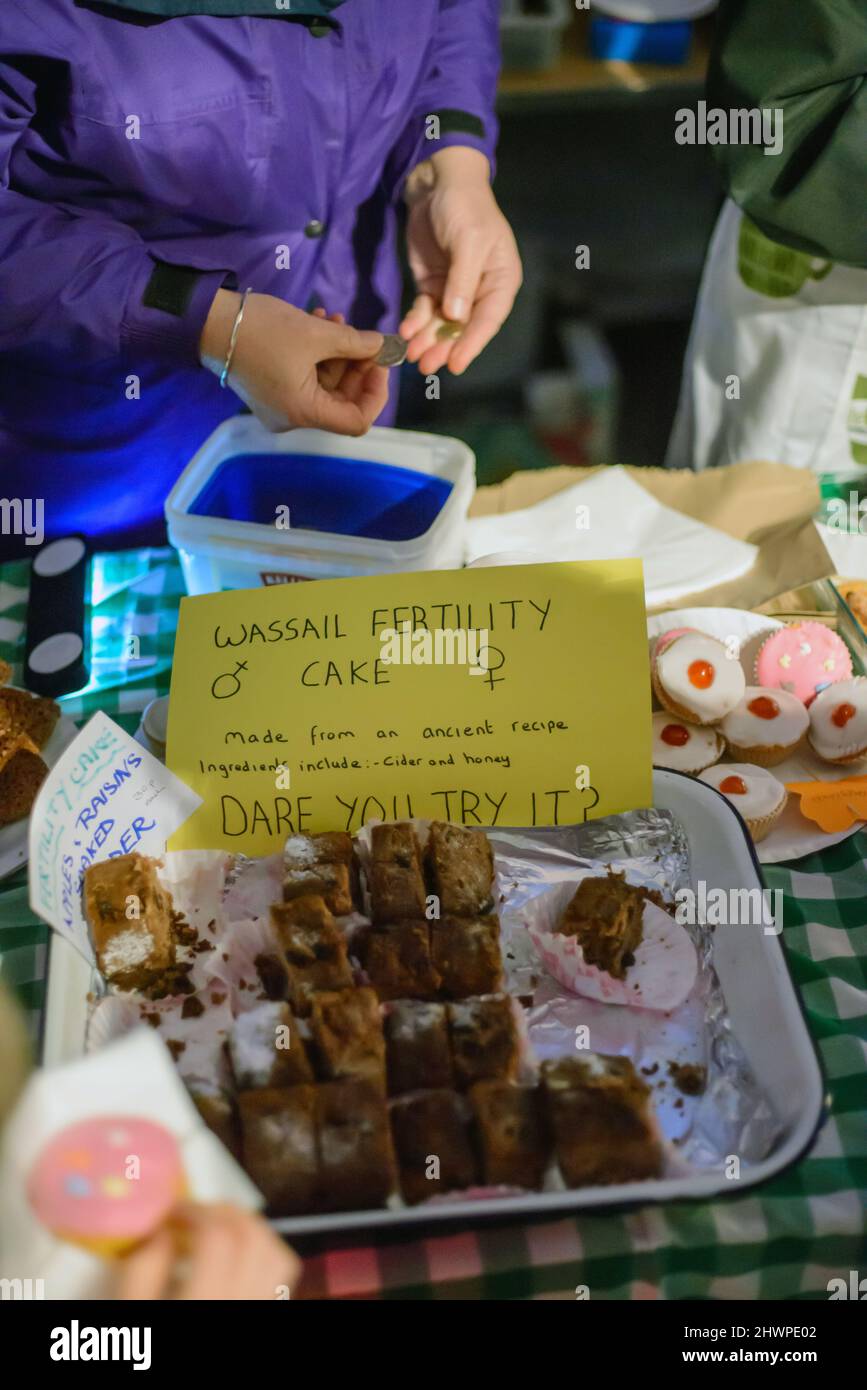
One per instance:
(515,696)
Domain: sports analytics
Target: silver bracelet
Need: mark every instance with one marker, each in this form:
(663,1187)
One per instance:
(236,328)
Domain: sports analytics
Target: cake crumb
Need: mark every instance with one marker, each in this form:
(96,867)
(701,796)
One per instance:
(688,1077)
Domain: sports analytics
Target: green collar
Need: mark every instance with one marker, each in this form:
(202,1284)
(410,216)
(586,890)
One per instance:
(286,9)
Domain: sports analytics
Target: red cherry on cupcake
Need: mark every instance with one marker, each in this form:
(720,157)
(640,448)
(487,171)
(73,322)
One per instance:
(675,735)
(763,707)
(734,786)
(701,674)
(842,714)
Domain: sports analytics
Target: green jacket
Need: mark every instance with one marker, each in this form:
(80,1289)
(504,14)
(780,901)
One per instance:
(808,58)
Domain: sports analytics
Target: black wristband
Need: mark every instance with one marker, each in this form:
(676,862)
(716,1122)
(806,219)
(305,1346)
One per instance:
(170,288)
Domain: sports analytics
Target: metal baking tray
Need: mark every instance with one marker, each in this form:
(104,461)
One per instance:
(763,1004)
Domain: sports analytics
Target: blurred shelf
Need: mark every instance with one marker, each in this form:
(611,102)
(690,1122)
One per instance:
(579,79)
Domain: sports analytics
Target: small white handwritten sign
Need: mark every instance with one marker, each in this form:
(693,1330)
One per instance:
(106,796)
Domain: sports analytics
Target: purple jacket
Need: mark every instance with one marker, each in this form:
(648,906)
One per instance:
(129,146)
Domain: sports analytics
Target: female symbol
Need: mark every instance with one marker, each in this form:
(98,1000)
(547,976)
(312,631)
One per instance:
(228,676)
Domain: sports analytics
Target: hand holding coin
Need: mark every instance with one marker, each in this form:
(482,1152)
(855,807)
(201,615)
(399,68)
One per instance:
(462,257)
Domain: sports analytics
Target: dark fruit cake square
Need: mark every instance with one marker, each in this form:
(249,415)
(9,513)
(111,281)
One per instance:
(417,1049)
(347,1036)
(130,918)
(461,866)
(356,1159)
(397,960)
(279,1147)
(466,952)
(483,1036)
(510,1132)
(433,1144)
(394,878)
(600,1115)
(314,950)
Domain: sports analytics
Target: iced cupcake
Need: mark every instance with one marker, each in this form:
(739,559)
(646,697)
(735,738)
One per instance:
(753,791)
(803,659)
(108,1182)
(765,726)
(684,747)
(695,678)
(838,722)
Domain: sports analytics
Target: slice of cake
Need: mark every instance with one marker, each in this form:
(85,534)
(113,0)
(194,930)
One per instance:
(511,1133)
(314,950)
(600,1115)
(356,1159)
(23,713)
(433,1144)
(266,1049)
(466,952)
(278,1147)
(483,1037)
(321,864)
(395,879)
(22,772)
(347,1036)
(605,917)
(417,1046)
(461,865)
(398,962)
(130,918)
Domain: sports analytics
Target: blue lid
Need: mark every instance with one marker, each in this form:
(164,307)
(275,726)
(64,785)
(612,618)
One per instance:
(347,497)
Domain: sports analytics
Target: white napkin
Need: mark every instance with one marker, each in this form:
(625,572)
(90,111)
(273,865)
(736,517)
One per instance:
(623,521)
(134,1076)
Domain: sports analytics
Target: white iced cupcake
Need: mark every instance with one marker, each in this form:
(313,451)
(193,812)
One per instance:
(753,791)
(684,747)
(695,678)
(838,721)
(765,726)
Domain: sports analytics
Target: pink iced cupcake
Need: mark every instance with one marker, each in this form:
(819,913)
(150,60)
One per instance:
(803,659)
(108,1182)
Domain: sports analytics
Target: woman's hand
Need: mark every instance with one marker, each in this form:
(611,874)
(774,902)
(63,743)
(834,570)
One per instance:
(463,256)
(227,1254)
(293,368)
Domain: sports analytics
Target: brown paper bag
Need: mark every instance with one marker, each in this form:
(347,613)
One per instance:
(768,504)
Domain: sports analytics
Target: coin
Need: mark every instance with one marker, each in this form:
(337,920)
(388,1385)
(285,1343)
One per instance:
(393,350)
(449,328)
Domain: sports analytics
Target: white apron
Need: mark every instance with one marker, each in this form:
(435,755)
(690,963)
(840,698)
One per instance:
(776,366)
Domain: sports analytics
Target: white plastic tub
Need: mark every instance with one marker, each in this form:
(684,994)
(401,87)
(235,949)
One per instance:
(420,529)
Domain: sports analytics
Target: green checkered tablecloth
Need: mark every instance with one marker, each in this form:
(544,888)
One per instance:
(784,1240)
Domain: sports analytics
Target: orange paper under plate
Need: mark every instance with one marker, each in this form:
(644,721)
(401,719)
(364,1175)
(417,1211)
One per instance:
(833,806)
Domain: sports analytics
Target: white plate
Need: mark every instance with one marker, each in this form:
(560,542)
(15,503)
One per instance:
(762,1001)
(13,838)
(793,836)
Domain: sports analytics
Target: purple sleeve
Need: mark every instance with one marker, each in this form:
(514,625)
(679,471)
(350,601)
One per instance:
(75,283)
(460,87)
